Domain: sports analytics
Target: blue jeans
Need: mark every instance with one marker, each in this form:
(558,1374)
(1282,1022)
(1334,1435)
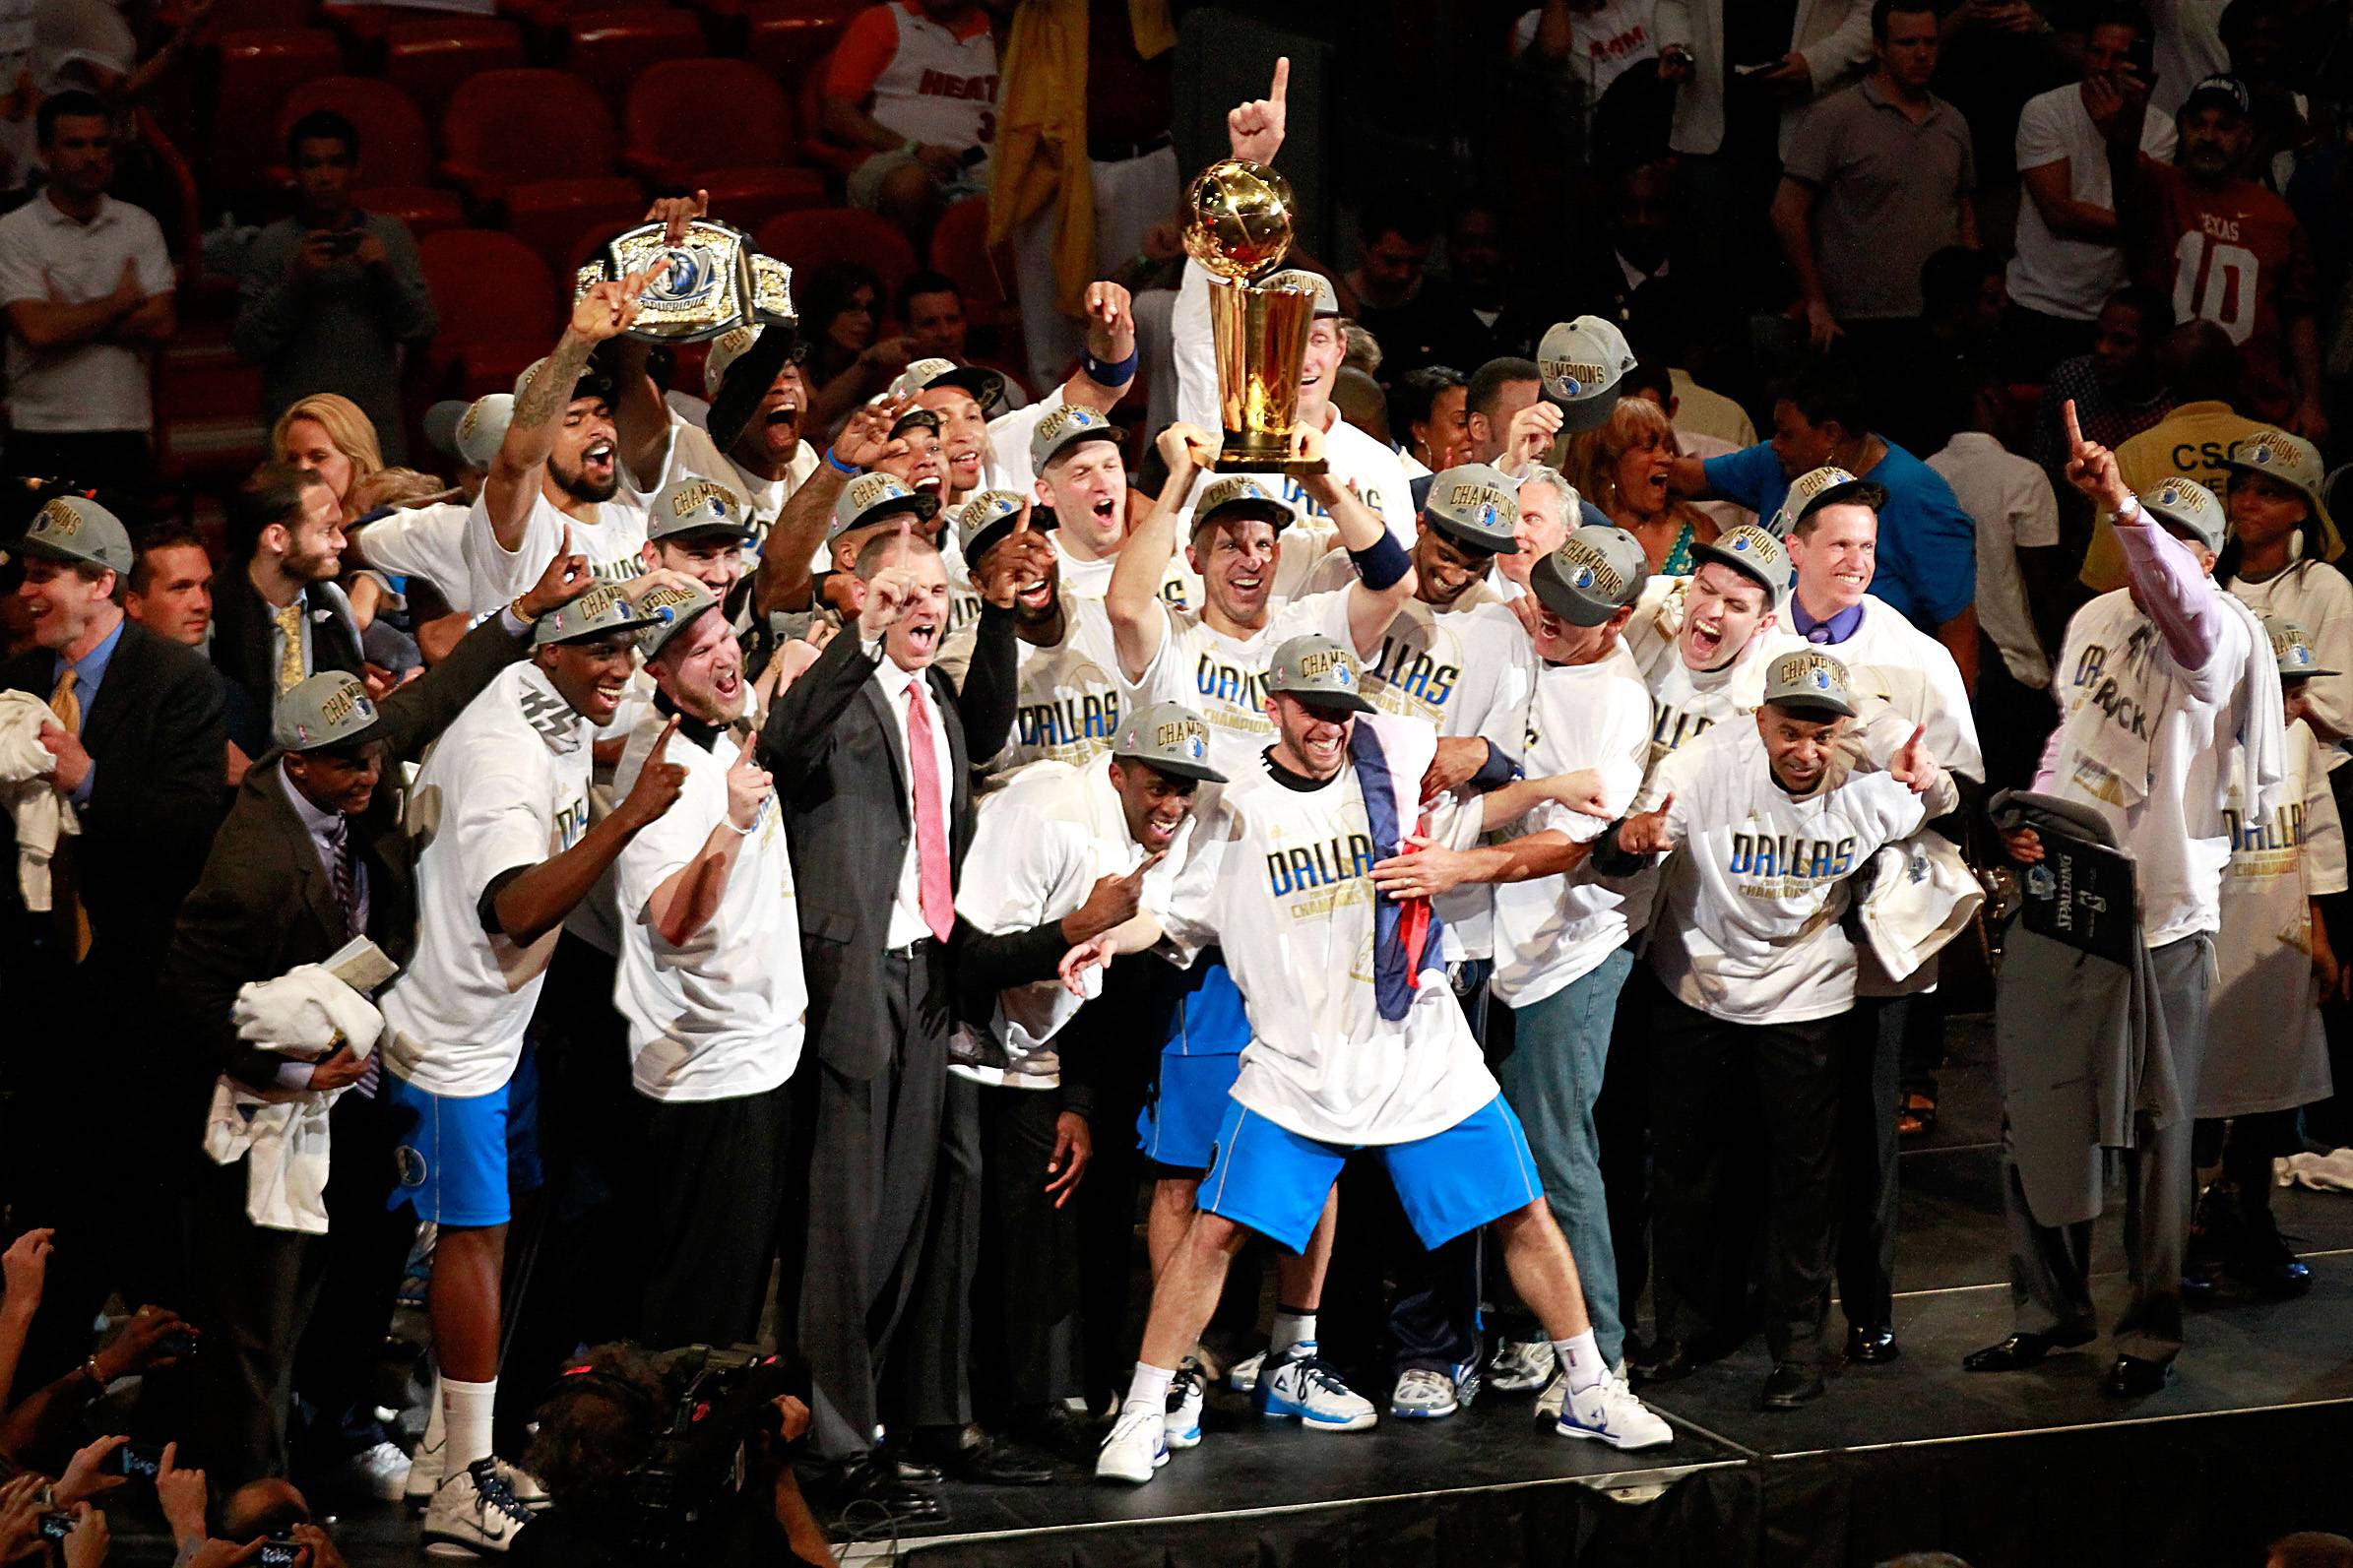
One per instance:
(1551,1078)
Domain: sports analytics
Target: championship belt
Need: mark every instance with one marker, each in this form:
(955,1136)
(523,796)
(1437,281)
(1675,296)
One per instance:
(709,282)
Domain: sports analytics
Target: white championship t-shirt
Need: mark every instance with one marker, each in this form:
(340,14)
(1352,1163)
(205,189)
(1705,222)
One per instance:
(1551,931)
(1292,907)
(1686,702)
(721,1016)
(1038,847)
(614,544)
(1224,678)
(1890,658)
(504,788)
(2317,597)
(1757,882)
(1070,697)
(427,542)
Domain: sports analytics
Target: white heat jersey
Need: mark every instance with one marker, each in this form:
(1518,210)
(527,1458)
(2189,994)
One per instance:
(504,788)
(614,544)
(1291,903)
(1757,883)
(938,88)
(1224,678)
(1039,845)
(721,1015)
(1551,931)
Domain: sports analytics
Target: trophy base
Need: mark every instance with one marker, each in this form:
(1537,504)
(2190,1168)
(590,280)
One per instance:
(1271,460)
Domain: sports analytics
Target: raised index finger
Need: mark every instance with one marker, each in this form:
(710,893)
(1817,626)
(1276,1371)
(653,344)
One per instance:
(661,742)
(2074,427)
(1281,83)
(899,554)
(1021,524)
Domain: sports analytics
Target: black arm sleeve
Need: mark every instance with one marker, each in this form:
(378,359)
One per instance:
(992,686)
(1611,861)
(988,965)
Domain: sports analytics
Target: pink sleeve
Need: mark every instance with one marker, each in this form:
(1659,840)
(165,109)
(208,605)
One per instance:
(2178,597)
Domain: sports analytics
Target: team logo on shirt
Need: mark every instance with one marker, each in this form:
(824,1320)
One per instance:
(1341,858)
(2122,706)
(2266,848)
(1085,722)
(1790,858)
(1405,678)
(1220,682)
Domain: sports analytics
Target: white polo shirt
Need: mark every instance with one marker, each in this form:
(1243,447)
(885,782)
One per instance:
(89,386)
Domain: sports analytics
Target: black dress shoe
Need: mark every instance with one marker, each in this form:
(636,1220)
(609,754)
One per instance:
(1670,1360)
(1792,1384)
(1058,1434)
(2264,1264)
(876,1483)
(911,1471)
(985,1461)
(1875,1347)
(2133,1378)
(2022,1351)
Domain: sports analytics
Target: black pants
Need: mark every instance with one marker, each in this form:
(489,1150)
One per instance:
(1027,1294)
(1709,1081)
(929,1383)
(1870,1088)
(2013,721)
(1121,1032)
(874,1145)
(285,1313)
(711,1186)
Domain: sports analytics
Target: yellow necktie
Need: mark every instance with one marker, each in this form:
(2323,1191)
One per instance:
(289,653)
(64,881)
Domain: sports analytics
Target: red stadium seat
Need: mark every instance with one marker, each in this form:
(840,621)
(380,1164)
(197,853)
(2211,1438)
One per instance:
(496,305)
(395,147)
(608,47)
(259,69)
(672,130)
(809,240)
(234,16)
(430,60)
(425,209)
(815,146)
(549,214)
(749,196)
(983,276)
(512,127)
(784,37)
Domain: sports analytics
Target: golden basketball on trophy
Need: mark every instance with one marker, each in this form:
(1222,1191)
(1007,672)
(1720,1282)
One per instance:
(1238,226)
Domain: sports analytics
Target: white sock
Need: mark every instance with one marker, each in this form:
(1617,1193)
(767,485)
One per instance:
(1581,1361)
(1291,1328)
(468,1407)
(436,1424)
(1148,1390)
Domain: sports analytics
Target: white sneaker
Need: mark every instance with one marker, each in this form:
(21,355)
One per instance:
(1422,1394)
(474,1514)
(1519,1365)
(381,1473)
(1299,1383)
(1184,1429)
(1243,1376)
(424,1477)
(529,1489)
(1547,1404)
(1138,1446)
(1609,1411)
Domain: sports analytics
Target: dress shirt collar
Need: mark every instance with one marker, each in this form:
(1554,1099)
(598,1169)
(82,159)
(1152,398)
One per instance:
(320,823)
(90,668)
(1837,629)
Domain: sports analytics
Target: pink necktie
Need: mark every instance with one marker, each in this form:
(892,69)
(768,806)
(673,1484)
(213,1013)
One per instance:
(930,819)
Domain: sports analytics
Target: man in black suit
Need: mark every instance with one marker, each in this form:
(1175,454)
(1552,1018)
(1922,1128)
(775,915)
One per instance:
(140,743)
(278,617)
(872,722)
(311,855)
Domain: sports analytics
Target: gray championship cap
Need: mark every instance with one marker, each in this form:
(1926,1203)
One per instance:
(1241,496)
(441,426)
(2294,462)
(1595,574)
(1306,281)
(483,429)
(2185,507)
(728,347)
(872,497)
(71,528)
(988,517)
(1809,680)
(1582,361)
(1170,738)
(2292,646)
(1319,670)
(672,607)
(597,614)
(1475,505)
(698,506)
(1816,489)
(987,387)
(929,419)
(325,711)
(1063,428)
(1755,554)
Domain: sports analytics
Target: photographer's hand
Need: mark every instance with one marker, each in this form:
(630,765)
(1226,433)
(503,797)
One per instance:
(83,1479)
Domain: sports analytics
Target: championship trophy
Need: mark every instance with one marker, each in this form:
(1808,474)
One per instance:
(1238,226)
(710,284)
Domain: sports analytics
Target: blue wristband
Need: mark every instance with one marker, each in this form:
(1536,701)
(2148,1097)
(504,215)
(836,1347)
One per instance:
(1382,562)
(838,466)
(1498,770)
(1118,373)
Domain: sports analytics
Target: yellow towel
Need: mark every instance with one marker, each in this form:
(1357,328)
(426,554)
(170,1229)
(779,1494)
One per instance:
(1040,152)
